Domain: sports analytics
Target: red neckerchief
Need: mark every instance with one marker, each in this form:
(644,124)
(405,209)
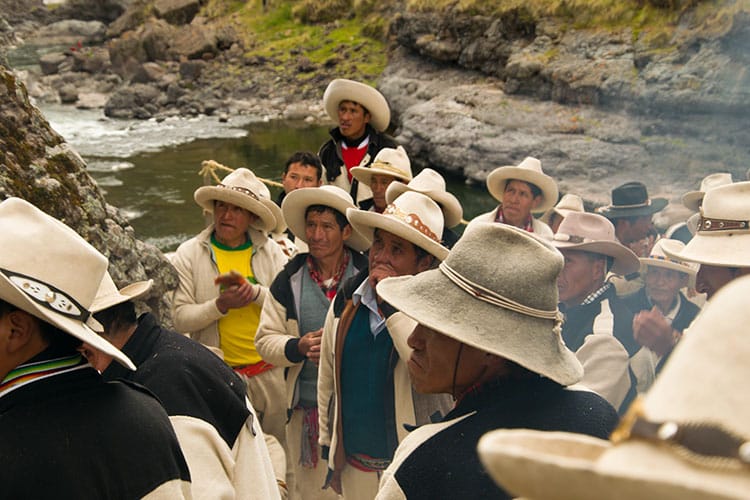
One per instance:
(331,289)
(527,226)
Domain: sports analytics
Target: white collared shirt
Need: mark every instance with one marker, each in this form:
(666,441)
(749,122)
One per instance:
(365,294)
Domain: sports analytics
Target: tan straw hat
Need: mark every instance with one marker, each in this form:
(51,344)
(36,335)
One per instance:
(295,205)
(49,271)
(412,216)
(432,184)
(529,170)
(723,230)
(477,298)
(689,439)
(594,233)
(659,258)
(265,198)
(693,199)
(568,203)
(240,188)
(341,89)
(108,295)
(388,161)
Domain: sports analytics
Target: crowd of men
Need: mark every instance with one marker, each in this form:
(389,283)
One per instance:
(344,341)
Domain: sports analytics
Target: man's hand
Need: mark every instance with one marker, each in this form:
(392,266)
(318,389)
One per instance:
(379,273)
(652,330)
(309,345)
(236,296)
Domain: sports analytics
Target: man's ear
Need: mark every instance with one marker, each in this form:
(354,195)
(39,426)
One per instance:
(22,326)
(425,262)
(346,233)
(537,200)
(599,267)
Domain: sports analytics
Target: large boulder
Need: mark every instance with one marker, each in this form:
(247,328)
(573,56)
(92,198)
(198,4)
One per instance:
(177,11)
(135,101)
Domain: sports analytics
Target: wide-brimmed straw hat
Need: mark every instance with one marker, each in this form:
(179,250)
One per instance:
(342,89)
(659,258)
(529,170)
(568,203)
(243,189)
(270,204)
(108,295)
(693,199)
(295,205)
(723,230)
(631,200)
(388,161)
(431,184)
(479,300)
(594,233)
(49,271)
(412,216)
(688,439)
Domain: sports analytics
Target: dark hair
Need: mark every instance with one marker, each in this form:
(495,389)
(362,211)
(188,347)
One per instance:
(117,317)
(307,159)
(340,218)
(50,333)
(535,191)
(593,256)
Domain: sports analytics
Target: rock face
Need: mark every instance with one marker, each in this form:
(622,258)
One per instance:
(37,165)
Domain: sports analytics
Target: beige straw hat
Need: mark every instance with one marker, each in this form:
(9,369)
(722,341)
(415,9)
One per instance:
(659,258)
(108,295)
(341,89)
(295,205)
(431,184)
(477,298)
(688,439)
(529,170)
(568,203)
(49,271)
(388,161)
(693,199)
(265,198)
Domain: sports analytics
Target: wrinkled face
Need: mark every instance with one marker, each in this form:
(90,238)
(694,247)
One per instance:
(231,223)
(663,285)
(710,279)
(628,232)
(324,237)
(352,119)
(518,202)
(582,274)
(299,176)
(378,184)
(391,255)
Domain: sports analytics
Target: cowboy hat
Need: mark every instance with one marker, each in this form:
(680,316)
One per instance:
(631,200)
(240,188)
(373,101)
(108,295)
(265,198)
(295,205)
(529,170)
(593,233)
(693,199)
(50,272)
(412,216)
(723,230)
(659,258)
(431,184)
(475,297)
(683,441)
(568,203)
(388,161)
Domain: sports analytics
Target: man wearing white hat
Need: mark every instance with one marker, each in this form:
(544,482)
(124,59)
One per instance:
(521,190)
(291,323)
(64,432)
(364,394)
(389,165)
(662,312)
(555,215)
(362,115)
(205,400)
(693,200)
(488,334)
(224,274)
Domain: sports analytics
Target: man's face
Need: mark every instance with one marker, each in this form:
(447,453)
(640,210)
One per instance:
(352,119)
(378,184)
(628,232)
(518,202)
(324,237)
(299,176)
(663,285)
(231,223)
(710,279)
(391,255)
(581,275)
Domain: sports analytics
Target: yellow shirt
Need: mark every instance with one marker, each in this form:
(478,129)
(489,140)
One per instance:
(237,329)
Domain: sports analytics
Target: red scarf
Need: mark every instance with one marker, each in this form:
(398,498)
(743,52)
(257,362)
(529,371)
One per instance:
(527,225)
(332,287)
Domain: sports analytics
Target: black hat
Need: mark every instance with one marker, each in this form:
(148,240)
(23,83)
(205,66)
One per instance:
(631,200)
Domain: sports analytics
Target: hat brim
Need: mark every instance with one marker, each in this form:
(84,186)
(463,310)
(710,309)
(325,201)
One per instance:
(431,299)
(499,177)
(124,294)
(206,195)
(558,465)
(281,224)
(452,210)
(562,212)
(348,90)
(666,264)
(625,261)
(725,249)
(364,174)
(366,222)
(693,200)
(613,212)
(11,294)
(295,205)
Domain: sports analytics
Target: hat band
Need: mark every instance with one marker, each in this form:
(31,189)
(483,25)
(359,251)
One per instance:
(48,296)
(707,224)
(667,259)
(704,443)
(494,298)
(412,220)
(241,190)
(646,203)
(384,165)
(573,238)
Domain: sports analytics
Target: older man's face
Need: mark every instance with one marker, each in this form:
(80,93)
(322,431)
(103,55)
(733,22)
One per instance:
(518,202)
(231,223)
(710,279)
(663,285)
(582,274)
(391,255)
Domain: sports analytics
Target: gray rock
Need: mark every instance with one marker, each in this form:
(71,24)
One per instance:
(91,60)
(129,102)
(68,94)
(149,72)
(177,11)
(91,100)
(193,42)
(50,63)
